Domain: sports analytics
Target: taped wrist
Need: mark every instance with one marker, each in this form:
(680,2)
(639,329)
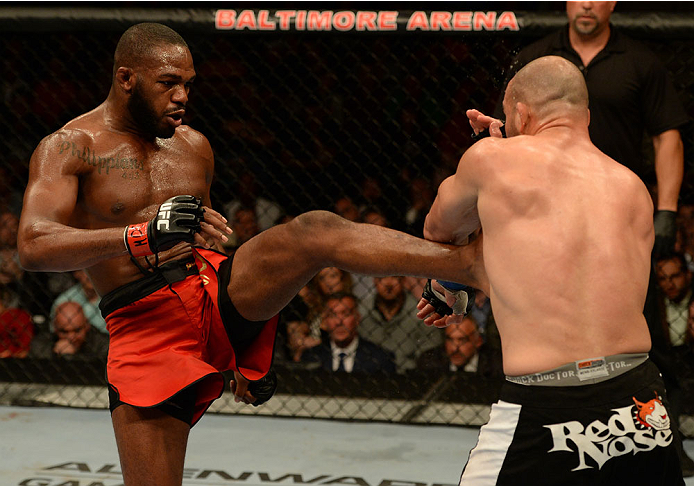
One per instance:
(464,296)
(136,240)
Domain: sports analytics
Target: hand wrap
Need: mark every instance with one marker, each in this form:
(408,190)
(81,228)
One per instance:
(177,219)
(464,298)
(264,388)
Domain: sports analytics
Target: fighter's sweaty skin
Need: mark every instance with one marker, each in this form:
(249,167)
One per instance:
(123,180)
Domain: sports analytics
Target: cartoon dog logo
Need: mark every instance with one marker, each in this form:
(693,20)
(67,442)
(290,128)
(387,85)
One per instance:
(652,413)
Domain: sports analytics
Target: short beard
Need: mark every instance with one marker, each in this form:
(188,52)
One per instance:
(581,29)
(145,116)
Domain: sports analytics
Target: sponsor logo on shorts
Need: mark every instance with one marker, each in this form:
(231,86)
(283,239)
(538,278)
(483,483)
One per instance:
(632,429)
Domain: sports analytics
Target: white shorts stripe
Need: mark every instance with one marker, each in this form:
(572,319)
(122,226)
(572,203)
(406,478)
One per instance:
(487,457)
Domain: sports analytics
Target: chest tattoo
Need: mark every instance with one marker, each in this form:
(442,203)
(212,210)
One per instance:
(102,164)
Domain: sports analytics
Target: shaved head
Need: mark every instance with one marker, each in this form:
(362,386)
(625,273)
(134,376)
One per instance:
(549,84)
(138,44)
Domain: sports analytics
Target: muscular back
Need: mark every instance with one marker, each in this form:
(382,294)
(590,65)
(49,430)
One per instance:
(88,176)
(567,241)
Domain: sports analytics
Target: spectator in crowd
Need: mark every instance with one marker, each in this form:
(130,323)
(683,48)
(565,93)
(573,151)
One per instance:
(463,350)
(297,331)
(389,320)
(266,213)
(73,336)
(16,328)
(328,281)
(675,283)
(345,351)
(84,294)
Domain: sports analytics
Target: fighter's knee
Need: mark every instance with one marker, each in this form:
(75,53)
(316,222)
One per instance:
(315,223)
(314,229)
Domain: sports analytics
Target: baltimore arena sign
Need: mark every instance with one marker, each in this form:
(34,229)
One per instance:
(364,21)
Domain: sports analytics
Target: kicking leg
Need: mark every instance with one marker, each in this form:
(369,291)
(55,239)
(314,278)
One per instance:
(271,268)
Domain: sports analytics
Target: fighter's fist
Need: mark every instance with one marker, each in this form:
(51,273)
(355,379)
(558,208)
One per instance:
(177,219)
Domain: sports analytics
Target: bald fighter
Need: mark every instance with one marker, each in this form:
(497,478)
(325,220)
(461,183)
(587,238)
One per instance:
(123,192)
(567,234)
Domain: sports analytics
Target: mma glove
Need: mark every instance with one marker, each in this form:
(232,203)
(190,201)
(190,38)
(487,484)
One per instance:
(665,231)
(464,298)
(264,388)
(177,220)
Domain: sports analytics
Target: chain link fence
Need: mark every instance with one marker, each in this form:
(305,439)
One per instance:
(365,124)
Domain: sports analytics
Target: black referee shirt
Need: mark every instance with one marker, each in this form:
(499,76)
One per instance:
(629,89)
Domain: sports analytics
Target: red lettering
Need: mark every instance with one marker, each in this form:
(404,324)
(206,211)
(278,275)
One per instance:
(440,21)
(263,21)
(418,20)
(462,20)
(285,17)
(224,19)
(507,20)
(388,20)
(366,21)
(344,20)
(484,20)
(246,20)
(300,22)
(318,20)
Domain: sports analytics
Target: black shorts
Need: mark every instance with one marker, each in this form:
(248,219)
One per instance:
(616,432)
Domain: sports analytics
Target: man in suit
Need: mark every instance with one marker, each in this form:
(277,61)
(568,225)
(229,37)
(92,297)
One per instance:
(345,351)
(463,350)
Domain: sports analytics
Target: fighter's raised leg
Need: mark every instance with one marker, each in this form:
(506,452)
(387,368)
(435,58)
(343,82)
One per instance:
(271,268)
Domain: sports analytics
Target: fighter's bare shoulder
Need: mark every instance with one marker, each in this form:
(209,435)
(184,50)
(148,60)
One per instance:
(58,149)
(490,154)
(195,140)
(81,131)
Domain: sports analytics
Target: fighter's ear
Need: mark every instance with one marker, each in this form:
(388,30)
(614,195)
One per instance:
(125,79)
(523,114)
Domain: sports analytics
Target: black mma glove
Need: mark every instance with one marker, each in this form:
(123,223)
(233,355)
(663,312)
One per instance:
(177,219)
(464,298)
(264,388)
(665,231)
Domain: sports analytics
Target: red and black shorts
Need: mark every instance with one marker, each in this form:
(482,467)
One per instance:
(612,432)
(172,333)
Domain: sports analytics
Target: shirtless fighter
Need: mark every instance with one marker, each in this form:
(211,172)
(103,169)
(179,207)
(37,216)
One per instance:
(107,192)
(567,234)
